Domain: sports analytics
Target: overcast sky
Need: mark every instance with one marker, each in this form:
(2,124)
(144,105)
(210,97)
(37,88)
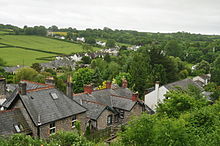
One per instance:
(197,16)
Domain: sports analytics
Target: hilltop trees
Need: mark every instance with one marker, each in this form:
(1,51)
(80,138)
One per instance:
(215,72)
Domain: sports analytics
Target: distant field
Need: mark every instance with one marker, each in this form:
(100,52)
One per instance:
(15,55)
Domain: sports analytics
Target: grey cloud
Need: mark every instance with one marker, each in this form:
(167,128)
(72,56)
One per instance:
(199,16)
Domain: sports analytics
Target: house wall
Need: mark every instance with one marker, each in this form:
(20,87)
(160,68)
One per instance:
(135,111)
(20,105)
(151,100)
(63,125)
(102,120)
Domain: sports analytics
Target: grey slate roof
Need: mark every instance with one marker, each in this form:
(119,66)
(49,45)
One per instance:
(8,119)
(111,99)
(40,103)
(183,84)
(12,69)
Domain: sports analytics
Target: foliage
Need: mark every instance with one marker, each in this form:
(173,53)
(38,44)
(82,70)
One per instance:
(37,67)
(26,74)
(121,76)
(215,72)
(110,43)
(82,77)
(86,60)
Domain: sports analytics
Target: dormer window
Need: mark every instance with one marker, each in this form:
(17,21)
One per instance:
(54,95)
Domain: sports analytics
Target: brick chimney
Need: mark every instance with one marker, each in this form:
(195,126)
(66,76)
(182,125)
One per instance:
(2,86)
(135,96)
(50,81)
(124,83)
(88,89)
(108,85)
(23,88)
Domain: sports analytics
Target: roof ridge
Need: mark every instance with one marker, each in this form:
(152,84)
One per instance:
(36,83)
(38,89)
(121,96)
(4,111)
(95,102)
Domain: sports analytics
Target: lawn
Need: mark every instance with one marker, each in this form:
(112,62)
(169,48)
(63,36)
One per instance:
(18,56)
(42,43)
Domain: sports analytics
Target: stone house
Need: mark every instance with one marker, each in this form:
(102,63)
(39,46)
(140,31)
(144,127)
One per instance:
(12,122)
(45,109)
(112,106)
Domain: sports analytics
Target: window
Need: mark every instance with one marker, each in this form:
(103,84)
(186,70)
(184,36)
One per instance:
(73,121)
(109,120)
(54,95)
(52,128)
(18,128)
(116,118)
(121,114)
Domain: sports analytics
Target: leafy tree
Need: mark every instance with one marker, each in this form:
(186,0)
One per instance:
(82,77)
(107,58)
(87,48)
(139,70)
(69,35)
(86,60)
(174,49)
(90,40)
(110,43)
(53,28)
(204,66)
(36,66)
(26,74)
(215,72)
(2,62)
(121,76)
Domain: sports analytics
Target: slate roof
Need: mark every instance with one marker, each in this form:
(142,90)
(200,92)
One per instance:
(110,99)
(39,102)
(12,69)
(8,120)
(183,84)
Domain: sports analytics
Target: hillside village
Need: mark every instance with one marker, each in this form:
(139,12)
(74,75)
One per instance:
(119,88)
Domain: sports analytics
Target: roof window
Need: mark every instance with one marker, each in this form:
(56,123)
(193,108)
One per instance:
(54,95)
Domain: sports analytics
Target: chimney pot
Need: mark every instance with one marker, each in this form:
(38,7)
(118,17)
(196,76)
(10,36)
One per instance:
(88,89)
(22,88)
(50,81)
(124,83)
(135,96)
(108,85)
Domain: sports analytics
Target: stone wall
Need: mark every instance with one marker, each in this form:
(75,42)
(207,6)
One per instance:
(63,125)
(102,120)
(20,105)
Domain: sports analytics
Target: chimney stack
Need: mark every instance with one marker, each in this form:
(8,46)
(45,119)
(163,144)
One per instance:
(124,83)
(69,87)
(157,85)
(108,85)
(88,89)
(2,86)
(135,96)
(22,88)
(50,81)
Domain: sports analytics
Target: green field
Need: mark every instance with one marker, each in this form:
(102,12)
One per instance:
(28,48)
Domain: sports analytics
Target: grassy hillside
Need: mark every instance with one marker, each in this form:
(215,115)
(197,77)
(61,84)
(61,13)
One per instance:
(29,48)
